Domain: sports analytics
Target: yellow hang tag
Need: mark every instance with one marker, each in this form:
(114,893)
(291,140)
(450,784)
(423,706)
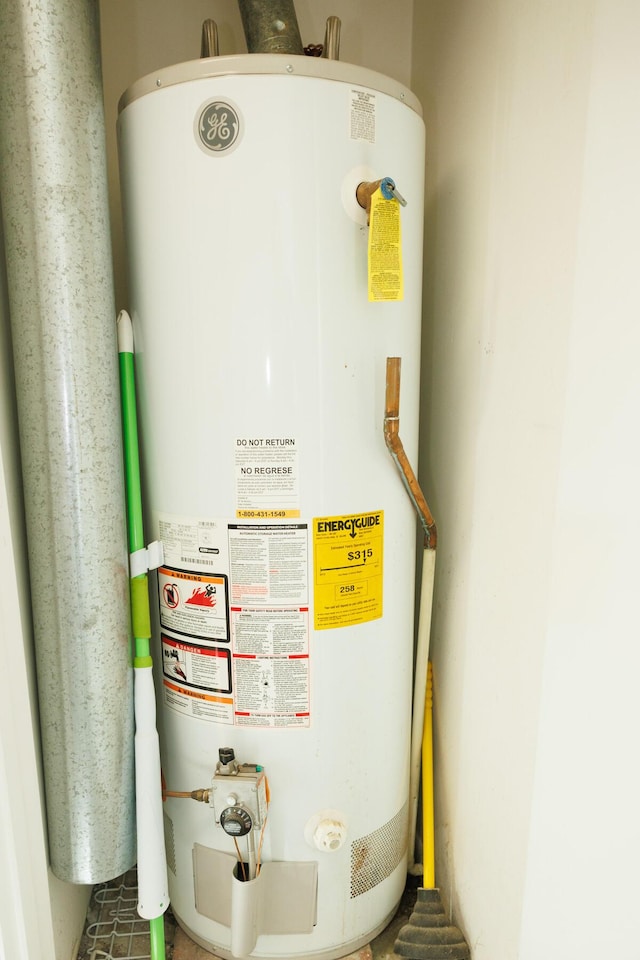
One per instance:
(385,250)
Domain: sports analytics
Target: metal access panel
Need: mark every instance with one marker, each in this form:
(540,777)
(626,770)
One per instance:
(287,892)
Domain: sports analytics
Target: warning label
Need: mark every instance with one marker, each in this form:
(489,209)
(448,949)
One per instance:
(197,704)
(348,578)
(385,250)
(193,604)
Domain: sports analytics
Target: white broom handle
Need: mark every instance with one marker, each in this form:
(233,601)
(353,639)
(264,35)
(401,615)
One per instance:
(153,892)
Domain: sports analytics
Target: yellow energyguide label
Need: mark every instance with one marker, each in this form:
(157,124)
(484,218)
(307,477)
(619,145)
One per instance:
(384,259)
(348,576)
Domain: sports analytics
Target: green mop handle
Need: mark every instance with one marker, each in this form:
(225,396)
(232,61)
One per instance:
(153,895)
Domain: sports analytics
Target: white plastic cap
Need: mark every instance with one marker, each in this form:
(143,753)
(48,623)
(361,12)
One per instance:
(329,835)
(326,831)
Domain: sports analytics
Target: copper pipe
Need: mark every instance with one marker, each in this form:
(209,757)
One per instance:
(364,192)
(202,796)
(394,445)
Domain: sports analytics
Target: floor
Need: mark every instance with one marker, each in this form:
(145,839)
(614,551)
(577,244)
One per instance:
(114,931)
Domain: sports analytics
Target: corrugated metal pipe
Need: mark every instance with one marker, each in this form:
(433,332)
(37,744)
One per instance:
(54,200)
(271,26)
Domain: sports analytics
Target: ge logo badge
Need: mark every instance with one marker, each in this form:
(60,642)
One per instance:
(219,126)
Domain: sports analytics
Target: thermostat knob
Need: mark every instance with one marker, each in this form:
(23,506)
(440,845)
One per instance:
(236,821)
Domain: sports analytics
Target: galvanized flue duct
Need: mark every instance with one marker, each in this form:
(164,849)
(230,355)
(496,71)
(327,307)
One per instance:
(271,26)
(54,199)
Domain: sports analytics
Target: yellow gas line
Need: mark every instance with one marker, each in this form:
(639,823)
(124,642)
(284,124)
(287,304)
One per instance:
(428,818)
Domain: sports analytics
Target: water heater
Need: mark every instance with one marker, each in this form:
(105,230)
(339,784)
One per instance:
(284,611)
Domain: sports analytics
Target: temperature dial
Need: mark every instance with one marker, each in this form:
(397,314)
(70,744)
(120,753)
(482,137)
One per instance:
(236,821)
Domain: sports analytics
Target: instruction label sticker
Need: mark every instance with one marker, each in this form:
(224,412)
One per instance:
(348,574)
(267,483)
(385,277)
(362,115)
(268,563)
(233,602)
(193,604)
(271,666)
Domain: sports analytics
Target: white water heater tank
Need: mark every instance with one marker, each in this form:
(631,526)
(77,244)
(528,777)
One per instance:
(284,614)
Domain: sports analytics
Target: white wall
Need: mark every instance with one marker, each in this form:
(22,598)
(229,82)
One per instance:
(530,457)
(24,907)
(585,838)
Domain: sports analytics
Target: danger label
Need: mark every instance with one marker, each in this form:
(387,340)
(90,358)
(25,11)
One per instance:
(197,680)
(348,575)
(201,668)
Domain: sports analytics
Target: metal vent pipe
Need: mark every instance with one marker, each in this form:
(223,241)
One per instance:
(56,221)
(271,26)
